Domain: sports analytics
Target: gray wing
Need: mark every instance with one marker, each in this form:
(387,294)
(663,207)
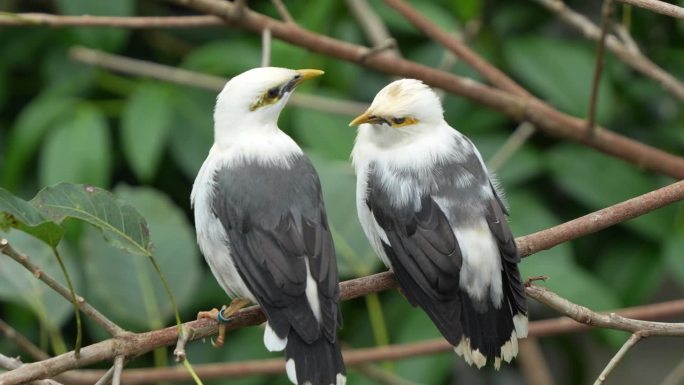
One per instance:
(275,221)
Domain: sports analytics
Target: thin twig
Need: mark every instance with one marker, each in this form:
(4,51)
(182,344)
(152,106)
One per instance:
(633,339)
(676,376)
(606,18)
(532,362)
(265,47)
(111,328)
(372,25)
(105,378)
(518,138)
(22,342)
(634,59)
(429,28)
(118,368)
(195,79)
(283,12)
(657,6)
(543,116)
(44,19)
(626,38)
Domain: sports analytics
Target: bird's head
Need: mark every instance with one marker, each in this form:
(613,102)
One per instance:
(256,97)
(404,107)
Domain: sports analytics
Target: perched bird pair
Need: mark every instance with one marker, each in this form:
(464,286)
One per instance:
(425,202)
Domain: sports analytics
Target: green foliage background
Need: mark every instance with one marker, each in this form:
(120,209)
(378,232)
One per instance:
(145,140)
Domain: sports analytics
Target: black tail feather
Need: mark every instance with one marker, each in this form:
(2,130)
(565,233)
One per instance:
(318,363)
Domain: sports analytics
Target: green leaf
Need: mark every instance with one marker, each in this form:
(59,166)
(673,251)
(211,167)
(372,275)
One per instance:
(561,72)
(224,58)
(121,225)
(19,214)
(18,285)
(129,287)
(192,129)
(108,39)
(598,181)
(354,254)
(145,126)
(77,150)
(674,255)
(34,120)
(323,132)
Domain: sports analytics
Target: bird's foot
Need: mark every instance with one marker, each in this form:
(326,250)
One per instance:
(531,280)
(223,318)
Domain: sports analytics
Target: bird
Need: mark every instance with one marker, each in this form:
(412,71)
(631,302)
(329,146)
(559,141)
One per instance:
(262,227)
(436,218)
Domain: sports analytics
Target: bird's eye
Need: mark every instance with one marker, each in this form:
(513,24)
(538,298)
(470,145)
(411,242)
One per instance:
(398,120)
(273,92)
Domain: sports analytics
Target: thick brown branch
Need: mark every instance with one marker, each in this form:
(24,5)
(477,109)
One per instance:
(99,318)
(44,19)
(599,220)
(543,116)
(658,7)
(631,57)
(136,344)
(353,357)
(491,73)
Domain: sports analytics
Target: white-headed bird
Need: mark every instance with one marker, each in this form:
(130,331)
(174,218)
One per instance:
(432,213)
(262,227)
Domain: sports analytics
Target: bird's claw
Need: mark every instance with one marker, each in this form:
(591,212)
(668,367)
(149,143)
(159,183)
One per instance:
(223,317)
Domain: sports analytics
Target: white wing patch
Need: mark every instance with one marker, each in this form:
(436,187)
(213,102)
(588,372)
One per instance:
(312,293)
(272,342)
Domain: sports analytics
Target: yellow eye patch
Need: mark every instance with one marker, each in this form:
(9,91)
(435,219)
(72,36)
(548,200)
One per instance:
(401,121)
(271,96)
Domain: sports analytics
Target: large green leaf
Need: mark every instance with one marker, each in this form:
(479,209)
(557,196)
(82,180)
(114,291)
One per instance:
(598,181)
(108,39)
(19,214)
(30,127)
(77,150)
(561,72)
(226,58)
(121,225)
(18,285)
(129,287)
(145,126)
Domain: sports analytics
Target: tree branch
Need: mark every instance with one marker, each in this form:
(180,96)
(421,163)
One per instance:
(631,57)
(111,328)
(48,20)
(657,6)
(196,79)
(372,25)
(543,116)
(633,339)
(22,342)
(555,326)
(129,344)
(606,18)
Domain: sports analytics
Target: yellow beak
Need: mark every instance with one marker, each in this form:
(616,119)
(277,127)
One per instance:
(309,74)
(363,118)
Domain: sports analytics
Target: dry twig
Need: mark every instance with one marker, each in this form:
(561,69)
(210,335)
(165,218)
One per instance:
(606,16)
(543,116)
(44,19)
(111,328)
(22,342)
(633,339)
(658,6)
(631,57)
(195,79)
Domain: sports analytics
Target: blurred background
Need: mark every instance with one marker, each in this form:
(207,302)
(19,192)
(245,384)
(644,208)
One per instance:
(144,139)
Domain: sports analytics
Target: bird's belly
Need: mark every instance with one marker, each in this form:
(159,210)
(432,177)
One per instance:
(481,269)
